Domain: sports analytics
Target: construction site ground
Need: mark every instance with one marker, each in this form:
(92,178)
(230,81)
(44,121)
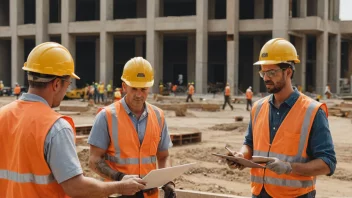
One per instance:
(211,174)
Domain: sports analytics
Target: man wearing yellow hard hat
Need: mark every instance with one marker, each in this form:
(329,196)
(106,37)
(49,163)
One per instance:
(130,137)
(288,130)
(38,144)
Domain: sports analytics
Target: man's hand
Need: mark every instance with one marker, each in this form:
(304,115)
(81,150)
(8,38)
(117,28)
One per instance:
(169,190)
(279,166)
(234,165)
(131,186)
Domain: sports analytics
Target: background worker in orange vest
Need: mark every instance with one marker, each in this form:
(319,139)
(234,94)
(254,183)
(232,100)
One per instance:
(117,94)
(38,144)
(130,137)
(101,90)
(249,96)
(289,127)
(227,94)
(17,90)
(190,92)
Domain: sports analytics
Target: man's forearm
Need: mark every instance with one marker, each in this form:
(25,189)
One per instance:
(104,170)
(86,187)
(246,151)
(313,168)
(164,162)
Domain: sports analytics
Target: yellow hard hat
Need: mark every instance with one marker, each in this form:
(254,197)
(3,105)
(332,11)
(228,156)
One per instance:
(277,50)
(52,59)
(138,72)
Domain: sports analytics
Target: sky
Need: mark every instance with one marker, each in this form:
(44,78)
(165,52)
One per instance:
(345,10)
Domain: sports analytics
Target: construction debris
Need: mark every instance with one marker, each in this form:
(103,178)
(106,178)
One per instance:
(74,107)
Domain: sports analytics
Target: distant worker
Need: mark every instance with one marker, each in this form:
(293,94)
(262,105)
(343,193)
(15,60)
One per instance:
(174,89)
(180,79)
(101,91)
(327,92)
(38,144)
(117,94)
(227,94)
(130,137)
(1,85)
(161,88)
(17,90)
(109,91)
(190,92)
(249,96)
(289,128)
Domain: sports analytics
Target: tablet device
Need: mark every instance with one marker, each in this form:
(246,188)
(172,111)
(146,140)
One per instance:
(239,160)
(160,177)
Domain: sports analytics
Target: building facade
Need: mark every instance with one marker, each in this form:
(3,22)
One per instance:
(207,41)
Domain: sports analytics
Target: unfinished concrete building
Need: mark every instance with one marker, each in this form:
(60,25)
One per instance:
(207,41)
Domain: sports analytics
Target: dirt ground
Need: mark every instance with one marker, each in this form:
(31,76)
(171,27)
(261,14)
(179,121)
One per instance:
(219,129)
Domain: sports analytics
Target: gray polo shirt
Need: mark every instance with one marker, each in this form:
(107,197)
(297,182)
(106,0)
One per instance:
(99,135)
(59,147)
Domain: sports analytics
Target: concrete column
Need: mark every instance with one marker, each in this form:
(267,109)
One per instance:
(302,7)
(201,47)
(97,61)
(153,42)
(42,21)
(141,8)
(5,62)
(17,48)
(322,62)
(211,13)
(139,46)
(323,9)
(300,73)
(259,9)
(191,61)
(232,16)
(106,57)
(336,10)
(335,63)
(68,8)
(256,51)
(281,19)
(106,43)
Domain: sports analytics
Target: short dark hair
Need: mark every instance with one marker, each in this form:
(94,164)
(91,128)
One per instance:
(288,65)
(40,84)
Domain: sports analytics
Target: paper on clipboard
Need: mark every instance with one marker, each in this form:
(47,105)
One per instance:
(159,177)
(239,160)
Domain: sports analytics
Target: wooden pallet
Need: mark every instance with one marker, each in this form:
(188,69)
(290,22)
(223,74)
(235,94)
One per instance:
(185,138)
(83,129)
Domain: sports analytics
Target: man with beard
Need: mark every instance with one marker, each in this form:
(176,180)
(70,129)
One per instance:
(287,129)
(130,137)
(38,148)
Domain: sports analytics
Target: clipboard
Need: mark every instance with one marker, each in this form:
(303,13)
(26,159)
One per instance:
(239,160)
(160,177)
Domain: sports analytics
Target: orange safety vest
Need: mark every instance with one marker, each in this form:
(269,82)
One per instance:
(289,145)
(17,90)
(227,91)
(174,88)
(191,90)
(125,153)
(24,171)
(249,94)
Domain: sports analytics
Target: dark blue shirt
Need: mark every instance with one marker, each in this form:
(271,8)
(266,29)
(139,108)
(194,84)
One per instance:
(320,145)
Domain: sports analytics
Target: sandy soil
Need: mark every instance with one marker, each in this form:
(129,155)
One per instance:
(219,129)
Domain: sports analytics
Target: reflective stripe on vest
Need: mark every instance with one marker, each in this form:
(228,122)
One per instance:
(303,137)
(26,177)
(124,161)
(283,182)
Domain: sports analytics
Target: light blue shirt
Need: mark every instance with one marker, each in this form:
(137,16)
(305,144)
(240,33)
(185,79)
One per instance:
(59,147)
(99,135)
